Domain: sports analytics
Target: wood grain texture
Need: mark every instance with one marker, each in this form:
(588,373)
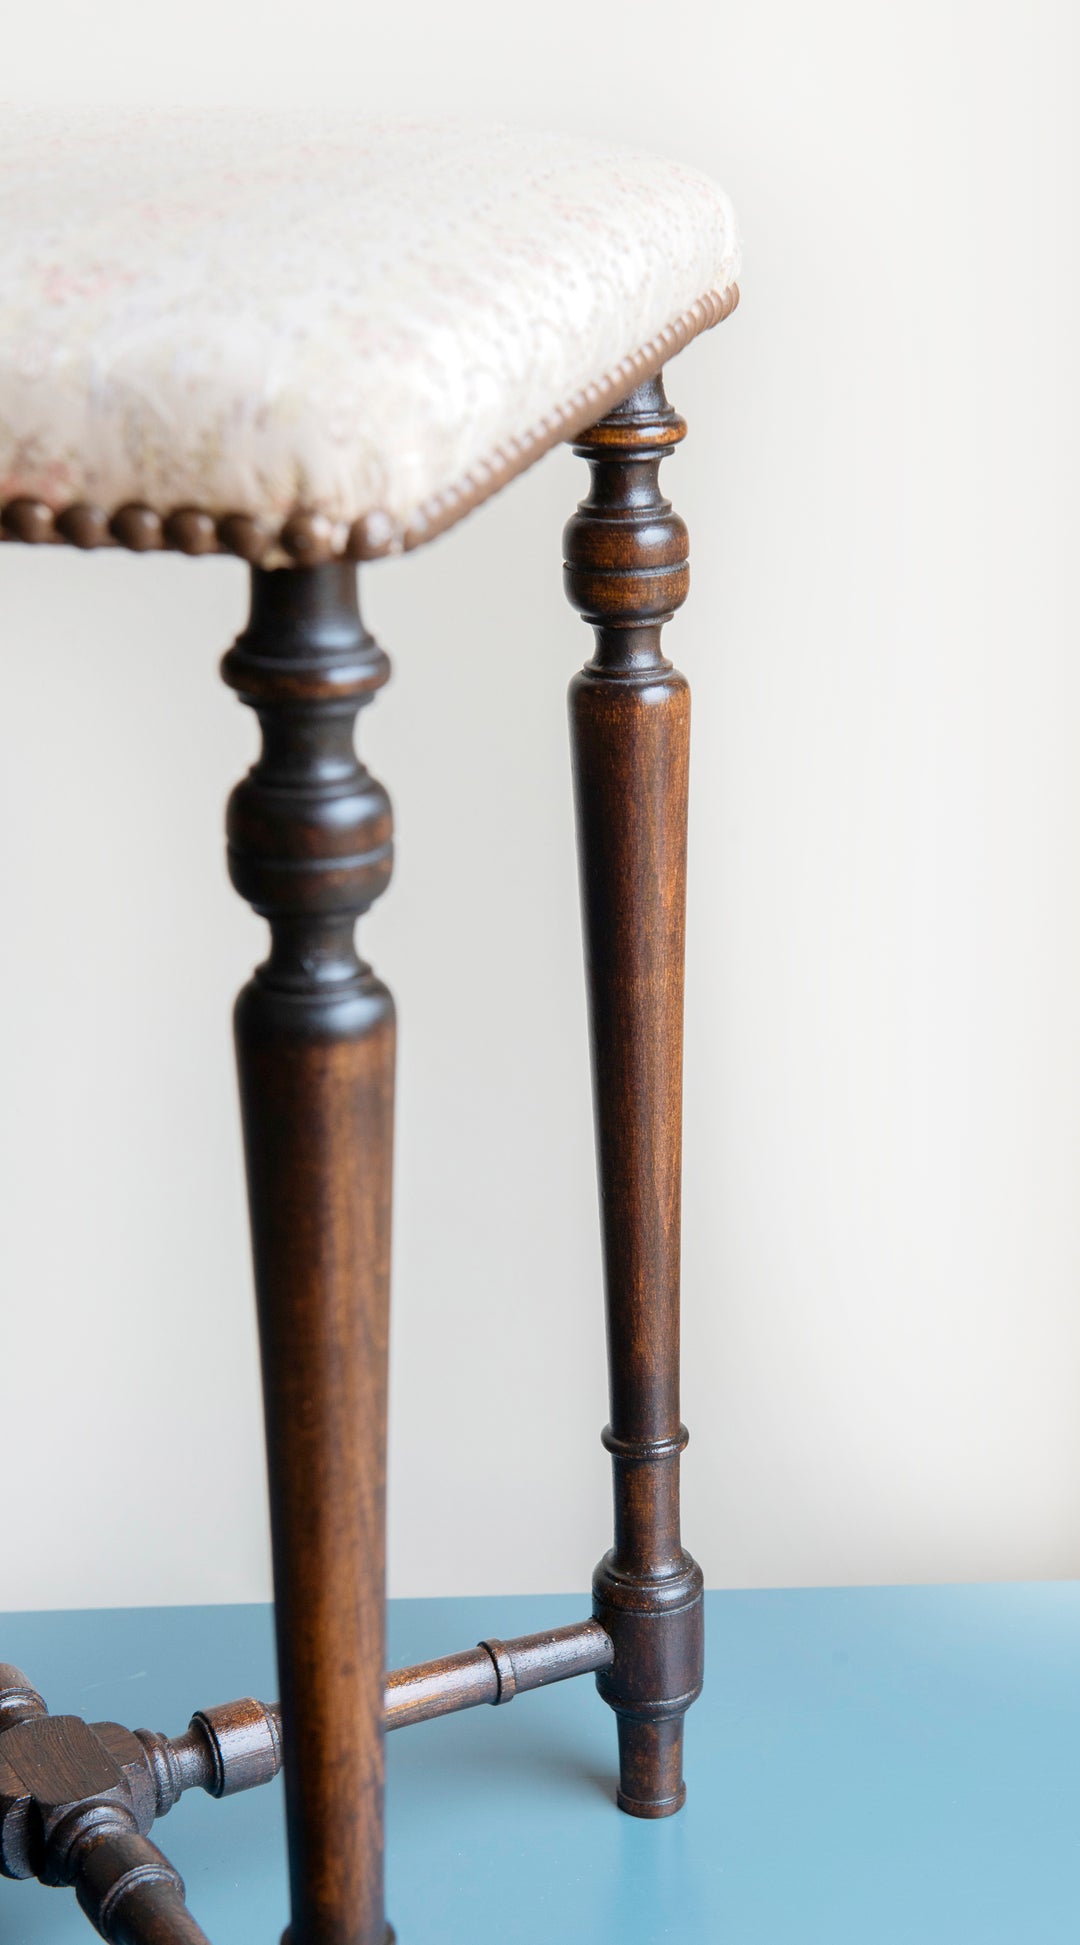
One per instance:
(76,1803)
(626,556)
(310,847)
(494,1672)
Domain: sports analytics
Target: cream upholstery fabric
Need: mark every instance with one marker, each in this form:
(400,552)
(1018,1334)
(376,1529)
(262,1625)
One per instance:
(256,314)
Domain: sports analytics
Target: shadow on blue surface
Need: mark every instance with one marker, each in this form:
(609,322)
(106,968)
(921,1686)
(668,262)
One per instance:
(893,1766)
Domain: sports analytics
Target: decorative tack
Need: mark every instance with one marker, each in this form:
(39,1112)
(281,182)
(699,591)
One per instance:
(239,534)
(28,520)
(309,537)
(83,526)
(190,531)
(136,527)
(371,536)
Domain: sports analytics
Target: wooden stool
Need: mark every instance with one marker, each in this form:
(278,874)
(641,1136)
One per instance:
(309,347)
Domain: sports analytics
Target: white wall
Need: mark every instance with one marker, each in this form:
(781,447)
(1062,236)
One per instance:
(883,1104)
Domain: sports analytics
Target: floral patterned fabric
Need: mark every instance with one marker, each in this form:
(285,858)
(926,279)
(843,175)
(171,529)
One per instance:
(261,313)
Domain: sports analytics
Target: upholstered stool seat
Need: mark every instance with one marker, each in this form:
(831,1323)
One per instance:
(294,338)
(310,343)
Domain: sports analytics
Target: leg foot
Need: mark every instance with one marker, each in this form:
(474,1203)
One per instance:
(650,1767)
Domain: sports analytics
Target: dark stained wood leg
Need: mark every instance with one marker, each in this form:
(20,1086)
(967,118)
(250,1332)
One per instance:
(310,848)
(627,571)
(76,1803)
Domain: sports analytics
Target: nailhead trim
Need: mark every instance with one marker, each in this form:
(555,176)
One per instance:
(308,538)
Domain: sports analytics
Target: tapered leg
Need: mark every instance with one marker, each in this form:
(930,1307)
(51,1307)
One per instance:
(626,570)
(310,847)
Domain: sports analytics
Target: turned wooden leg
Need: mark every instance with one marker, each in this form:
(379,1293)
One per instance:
(310,848)
(627,571)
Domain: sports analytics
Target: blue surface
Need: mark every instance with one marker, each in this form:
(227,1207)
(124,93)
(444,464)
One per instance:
(868,1767)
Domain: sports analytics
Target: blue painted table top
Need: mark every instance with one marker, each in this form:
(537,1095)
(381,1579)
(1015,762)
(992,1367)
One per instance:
(887,1766)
